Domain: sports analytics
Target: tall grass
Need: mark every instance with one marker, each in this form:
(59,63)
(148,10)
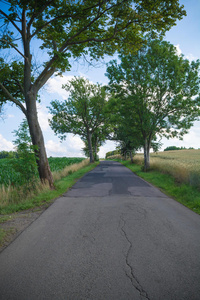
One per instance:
(15,195)
(183,165)
(57,175)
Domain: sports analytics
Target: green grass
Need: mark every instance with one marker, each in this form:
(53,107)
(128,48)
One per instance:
(2,235)
(183,193)
(47,196)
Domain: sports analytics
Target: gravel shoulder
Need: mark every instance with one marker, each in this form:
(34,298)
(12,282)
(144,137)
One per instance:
(14,224)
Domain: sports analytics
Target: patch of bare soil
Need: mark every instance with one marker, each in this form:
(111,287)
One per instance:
(12,225)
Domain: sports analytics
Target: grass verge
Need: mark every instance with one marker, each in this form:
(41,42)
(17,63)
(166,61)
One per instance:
(183,193)
(46,196)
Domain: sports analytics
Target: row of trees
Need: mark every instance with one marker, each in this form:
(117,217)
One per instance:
(155,93)
(150,94)
(171,148)
(67,30)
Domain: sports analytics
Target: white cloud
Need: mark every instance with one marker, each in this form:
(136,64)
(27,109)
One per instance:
(54,85)
(71,147)
(108,146)
(54,147)
(75,142)
(189,56)
(178,49)
(192,139)
(5,145)
(43,117)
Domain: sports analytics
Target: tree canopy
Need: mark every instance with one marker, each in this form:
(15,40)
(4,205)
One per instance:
(66,30)
(157,91)
(83,113)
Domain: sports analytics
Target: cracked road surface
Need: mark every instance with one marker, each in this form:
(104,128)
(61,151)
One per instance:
(111,237)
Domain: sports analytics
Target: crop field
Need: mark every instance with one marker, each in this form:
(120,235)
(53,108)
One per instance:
(9,176)
(184,165)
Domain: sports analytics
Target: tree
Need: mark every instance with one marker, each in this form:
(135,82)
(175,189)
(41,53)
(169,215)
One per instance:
(84,113)
(123,128)
(98,139)
(66,30)
(160,91)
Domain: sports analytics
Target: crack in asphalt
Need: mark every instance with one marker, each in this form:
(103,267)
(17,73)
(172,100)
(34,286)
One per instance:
(135,282)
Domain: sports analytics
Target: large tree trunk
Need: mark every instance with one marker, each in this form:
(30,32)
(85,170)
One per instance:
(131,155)
(30,92)
(38,141)
(95,149)
(147,145)
(89,136)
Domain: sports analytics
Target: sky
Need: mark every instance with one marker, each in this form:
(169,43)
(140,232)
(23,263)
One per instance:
(185,36)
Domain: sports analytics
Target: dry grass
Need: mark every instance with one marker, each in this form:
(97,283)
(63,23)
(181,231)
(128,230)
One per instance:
(15,195)
(183,165)
(57,175)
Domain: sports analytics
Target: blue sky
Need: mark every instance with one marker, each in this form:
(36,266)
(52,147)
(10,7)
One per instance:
(185,35)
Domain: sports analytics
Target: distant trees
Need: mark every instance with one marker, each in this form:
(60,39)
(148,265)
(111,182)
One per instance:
(171,148)
(83,113)
(8,154)
(66,30)
(157,92)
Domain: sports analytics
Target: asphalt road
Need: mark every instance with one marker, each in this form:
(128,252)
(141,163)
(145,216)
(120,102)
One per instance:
(111,237)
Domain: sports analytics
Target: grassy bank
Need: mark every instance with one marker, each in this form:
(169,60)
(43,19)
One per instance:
(182,192)
(14,199)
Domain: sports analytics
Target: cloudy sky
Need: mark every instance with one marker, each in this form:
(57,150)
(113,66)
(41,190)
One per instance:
(185,36)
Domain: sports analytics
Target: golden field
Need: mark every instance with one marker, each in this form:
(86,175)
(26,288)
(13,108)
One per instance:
(184,165)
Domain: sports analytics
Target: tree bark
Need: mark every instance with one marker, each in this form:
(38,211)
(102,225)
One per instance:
(95,149)
(131,155)
(90,147)
(38,141)
(147,145)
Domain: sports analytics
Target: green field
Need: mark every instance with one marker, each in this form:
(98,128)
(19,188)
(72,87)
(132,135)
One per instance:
(183,165)
(8,175)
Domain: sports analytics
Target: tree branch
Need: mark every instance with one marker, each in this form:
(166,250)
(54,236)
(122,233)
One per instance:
(63,48)
(35,15)
(13,46)
(43,77)
(75,16)
(13,23)
(19,85)
(12,99)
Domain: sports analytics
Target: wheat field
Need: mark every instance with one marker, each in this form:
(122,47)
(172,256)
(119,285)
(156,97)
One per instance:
(184,165)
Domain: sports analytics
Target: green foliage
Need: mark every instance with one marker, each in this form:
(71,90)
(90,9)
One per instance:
(46,196)
(157,92)
(12,175)
(8,154)
(177,148)
(110,153)
(11,77)
(66,30)
(59,163)
(84,113)
(170,148)
(25,165)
